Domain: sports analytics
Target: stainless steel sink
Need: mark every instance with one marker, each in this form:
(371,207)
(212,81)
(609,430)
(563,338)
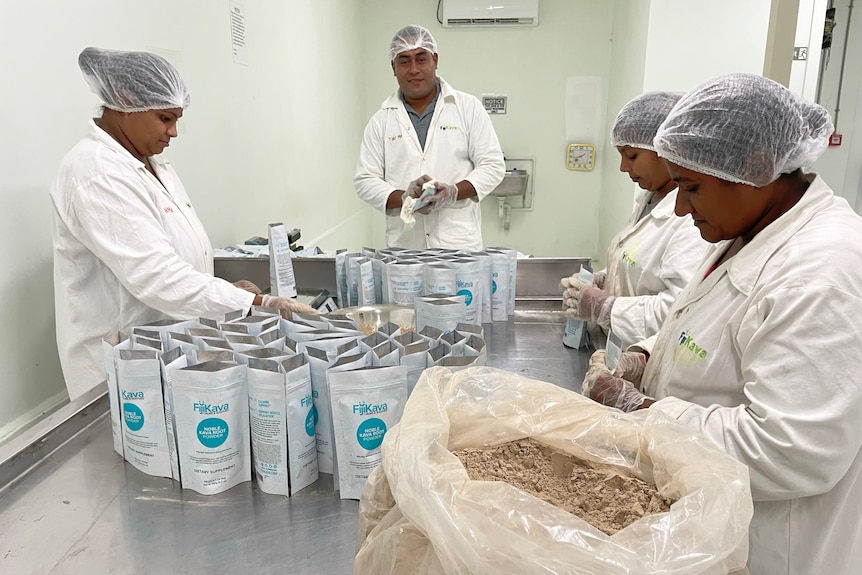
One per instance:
(514,184)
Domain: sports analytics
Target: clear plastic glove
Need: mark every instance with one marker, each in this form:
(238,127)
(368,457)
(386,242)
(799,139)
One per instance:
(572,287)
(598,359)
(589,304)
(414,190)
(447,195)
(247,286)
(600,385)
(599,279)
(631,366)
(286,305)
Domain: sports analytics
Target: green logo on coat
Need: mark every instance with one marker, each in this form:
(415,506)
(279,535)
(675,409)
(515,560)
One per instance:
(688,351)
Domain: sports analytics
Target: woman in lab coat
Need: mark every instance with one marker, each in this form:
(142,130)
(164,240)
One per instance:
(761,352)
(128,246)
(654,256)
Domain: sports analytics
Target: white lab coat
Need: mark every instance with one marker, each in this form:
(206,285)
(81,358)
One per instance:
(764,356)
(127,251)
(649,264)
(461,145)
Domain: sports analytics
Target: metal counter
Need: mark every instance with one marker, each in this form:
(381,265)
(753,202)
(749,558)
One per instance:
(82,509)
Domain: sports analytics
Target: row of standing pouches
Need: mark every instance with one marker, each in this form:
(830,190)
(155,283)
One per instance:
(213,404)
(397,276)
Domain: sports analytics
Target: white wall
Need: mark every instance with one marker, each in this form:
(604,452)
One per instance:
(274,141)
(628,60)
(530,65)
(841,166)
(682,44)
(689,42)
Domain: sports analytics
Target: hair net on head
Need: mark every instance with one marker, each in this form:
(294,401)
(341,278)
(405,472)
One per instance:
(410,38)
(133,81)
(638,121)
(743,128)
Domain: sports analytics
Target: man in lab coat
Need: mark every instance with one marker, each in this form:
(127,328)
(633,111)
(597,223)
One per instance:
(428,132)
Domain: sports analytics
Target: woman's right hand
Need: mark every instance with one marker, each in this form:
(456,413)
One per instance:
(286,306)
(631,366)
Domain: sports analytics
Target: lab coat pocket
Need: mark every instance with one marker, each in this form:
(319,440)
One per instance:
(459,225)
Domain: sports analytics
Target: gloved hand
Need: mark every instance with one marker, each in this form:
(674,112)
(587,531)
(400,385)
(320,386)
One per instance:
(414,190)
(572,287)
(247,286)
(286,305)
(588,303)
(631,366)
(600,385)
(447,195)
(599,279)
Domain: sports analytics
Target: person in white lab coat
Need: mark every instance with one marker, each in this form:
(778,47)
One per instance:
(655,255)
(428,131)
(762,352)
(128,246)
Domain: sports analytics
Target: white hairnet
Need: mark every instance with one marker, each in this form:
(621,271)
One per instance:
(638,121)
(743,128)
(133,81)
(410,38)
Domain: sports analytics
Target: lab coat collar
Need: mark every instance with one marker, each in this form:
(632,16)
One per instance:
(745,267)
(104,138)
(665,208)
(394,99)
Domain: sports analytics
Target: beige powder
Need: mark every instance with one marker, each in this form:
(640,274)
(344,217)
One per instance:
(596,493)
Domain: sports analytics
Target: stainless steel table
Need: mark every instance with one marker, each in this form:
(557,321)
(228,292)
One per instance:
(84,510)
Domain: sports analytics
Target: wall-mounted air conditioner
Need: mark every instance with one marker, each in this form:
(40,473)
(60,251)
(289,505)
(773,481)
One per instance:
(461,13)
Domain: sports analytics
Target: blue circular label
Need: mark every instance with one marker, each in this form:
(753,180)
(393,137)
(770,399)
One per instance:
(212,432)
(493,286)
(468,296)
(311,421)
(370,433)
(133,416)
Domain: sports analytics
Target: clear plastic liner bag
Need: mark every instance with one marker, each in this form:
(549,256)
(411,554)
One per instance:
(420,513)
